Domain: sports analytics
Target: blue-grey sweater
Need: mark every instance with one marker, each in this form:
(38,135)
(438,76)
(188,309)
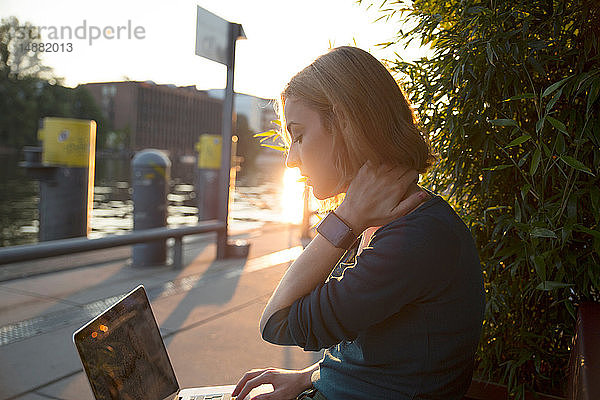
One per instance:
(400,321)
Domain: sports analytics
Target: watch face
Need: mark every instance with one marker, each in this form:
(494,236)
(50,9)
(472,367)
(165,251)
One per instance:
(336,231)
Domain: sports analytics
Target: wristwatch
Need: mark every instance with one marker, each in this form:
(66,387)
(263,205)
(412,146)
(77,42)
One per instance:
(336,231)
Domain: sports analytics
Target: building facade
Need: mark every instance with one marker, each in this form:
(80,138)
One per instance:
(164,117)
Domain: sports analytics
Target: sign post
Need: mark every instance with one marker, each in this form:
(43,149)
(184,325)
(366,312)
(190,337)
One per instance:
(215,40)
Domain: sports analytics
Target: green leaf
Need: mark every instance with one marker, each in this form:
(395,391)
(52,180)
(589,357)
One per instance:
(521,96)
(267,133)
(490,53)
(557,124)
(535,161)
(540,267)
(550,285)
(498,167)
(523,159)
(553,100)
(476,10)
(503,122)
(539,125)
(280,148)
(524,190)
(547,151)
(554,86)
(542,232)
(518,141)
(578,165)
(593,94)
(592,232)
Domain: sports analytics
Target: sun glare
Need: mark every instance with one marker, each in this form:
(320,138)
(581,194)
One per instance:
(292,200)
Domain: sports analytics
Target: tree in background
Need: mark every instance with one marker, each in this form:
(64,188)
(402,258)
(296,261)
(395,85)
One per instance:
(22,77)
(510,102)
(17,59)
(30,91)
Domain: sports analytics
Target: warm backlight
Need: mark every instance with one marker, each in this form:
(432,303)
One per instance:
(292,200)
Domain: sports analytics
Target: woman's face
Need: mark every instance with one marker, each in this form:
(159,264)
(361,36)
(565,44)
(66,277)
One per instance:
(311,149)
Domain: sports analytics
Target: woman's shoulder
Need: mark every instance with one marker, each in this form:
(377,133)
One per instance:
(432,237)
(432,225)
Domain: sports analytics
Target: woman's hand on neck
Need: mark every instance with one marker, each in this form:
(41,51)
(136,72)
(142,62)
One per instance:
(379,195)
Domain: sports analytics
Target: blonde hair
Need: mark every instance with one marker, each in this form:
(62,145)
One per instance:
(363,107)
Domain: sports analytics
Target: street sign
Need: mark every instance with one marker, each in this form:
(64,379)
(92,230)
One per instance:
(212,36)
(215,40)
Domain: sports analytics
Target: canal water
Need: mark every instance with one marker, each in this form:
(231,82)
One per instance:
(258,198)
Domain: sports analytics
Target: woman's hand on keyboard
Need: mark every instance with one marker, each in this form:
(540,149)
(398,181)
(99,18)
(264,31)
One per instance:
(287,384)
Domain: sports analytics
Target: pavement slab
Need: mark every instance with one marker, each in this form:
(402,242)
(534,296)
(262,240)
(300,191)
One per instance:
(28,364)
(15,304)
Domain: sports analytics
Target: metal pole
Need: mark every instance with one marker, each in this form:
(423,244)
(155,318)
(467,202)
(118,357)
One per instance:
(234,30)
(178,252)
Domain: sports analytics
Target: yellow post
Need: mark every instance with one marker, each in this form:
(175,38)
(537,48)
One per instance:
(207,176)
(209,151)
(70,143)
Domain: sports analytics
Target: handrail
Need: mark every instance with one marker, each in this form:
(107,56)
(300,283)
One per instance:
(78,245)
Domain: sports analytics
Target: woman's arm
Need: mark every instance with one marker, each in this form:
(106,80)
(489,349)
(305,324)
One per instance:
(376,196)
(306,272)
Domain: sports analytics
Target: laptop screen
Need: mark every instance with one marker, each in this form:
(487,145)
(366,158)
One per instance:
(123,353)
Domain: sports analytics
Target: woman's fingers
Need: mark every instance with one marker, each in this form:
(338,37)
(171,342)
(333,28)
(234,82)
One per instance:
(253,382)
(247,376)
(376,193)
(396,183)
(409,203)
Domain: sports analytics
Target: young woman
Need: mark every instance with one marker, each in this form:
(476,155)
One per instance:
(391,285)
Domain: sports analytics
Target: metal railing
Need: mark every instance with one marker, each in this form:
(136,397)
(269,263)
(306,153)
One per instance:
(78,245)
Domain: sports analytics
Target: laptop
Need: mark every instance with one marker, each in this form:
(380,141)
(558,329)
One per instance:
(124,356)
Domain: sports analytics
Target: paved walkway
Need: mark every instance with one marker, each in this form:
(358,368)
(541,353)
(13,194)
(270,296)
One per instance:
(208,313)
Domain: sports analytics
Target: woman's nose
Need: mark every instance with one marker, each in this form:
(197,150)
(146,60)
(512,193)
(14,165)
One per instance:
(292,161)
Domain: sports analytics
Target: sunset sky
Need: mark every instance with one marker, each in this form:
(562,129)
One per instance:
(283,37)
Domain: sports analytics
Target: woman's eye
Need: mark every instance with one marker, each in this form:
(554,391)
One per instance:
(298,139)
